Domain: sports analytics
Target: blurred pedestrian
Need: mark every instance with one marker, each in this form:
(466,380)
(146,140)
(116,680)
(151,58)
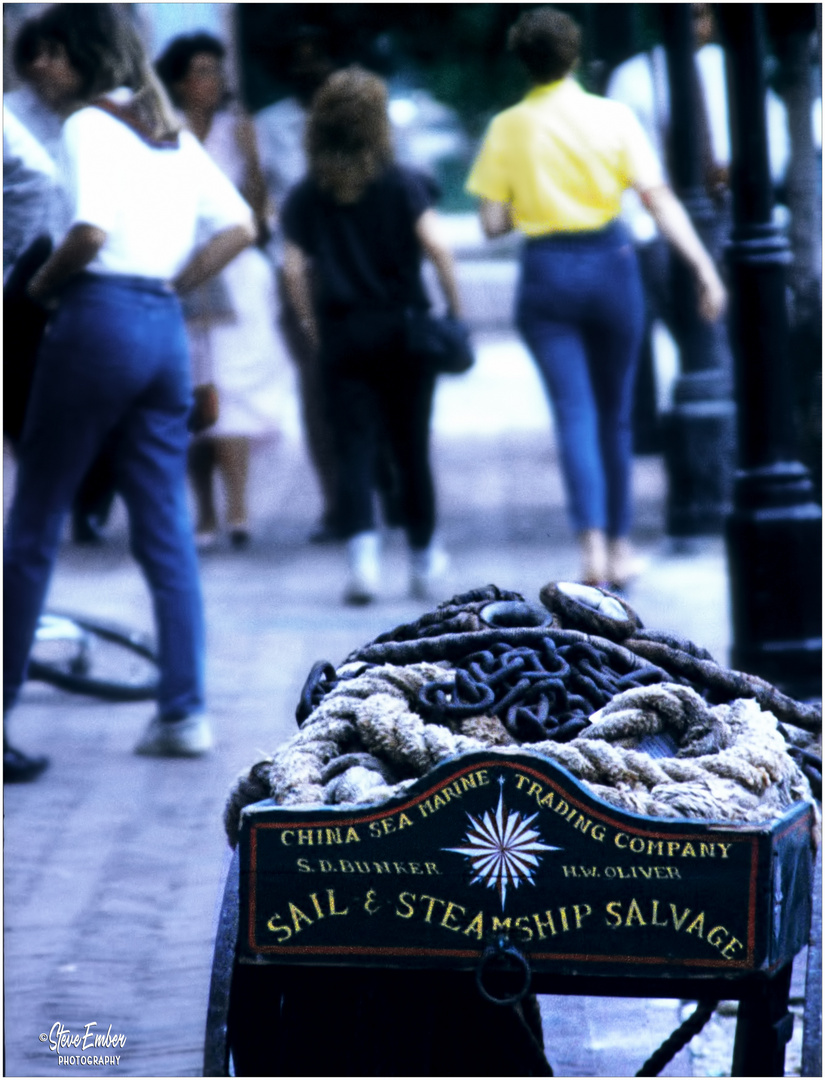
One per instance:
(356,230)
(28,190)
(41,104)
(231,320)
(642,82)
(37,105)
(555,166)
(303,62)
(115,355)
(28,194)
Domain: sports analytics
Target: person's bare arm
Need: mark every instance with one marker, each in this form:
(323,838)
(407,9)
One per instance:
(79,247)
(429,233)
(254,188)
(496,218)
(214,256)
(299,290)
(675,225)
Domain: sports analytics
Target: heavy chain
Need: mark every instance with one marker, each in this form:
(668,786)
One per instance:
(538,693)
(544,674)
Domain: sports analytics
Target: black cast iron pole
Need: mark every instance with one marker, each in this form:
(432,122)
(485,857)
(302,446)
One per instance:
(774,534)
(700,430)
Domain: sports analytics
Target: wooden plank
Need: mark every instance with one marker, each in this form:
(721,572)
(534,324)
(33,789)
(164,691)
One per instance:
(492,846)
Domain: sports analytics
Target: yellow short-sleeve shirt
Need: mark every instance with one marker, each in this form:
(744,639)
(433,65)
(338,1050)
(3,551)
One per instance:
(562,158)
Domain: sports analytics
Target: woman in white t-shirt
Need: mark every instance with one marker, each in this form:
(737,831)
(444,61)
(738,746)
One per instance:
(232,324)
(115,355)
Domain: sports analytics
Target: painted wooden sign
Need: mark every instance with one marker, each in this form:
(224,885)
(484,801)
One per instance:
(490,845)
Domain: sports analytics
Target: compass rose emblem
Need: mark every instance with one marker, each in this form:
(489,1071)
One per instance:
(502,848)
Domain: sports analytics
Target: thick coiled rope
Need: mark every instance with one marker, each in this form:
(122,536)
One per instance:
(581,681)
(679,1039)
(584,684)
(366,743)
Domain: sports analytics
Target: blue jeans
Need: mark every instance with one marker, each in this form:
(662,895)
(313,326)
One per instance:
(580,309)
(114,357)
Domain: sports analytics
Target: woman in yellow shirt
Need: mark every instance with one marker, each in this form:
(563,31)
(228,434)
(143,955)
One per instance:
(555,167)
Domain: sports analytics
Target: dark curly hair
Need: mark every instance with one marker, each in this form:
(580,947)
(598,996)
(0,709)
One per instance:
(173,63)
(348,137)
(547,42)
(103,47)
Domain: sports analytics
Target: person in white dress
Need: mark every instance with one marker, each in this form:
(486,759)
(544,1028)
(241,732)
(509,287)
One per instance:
(303,62)
(232,323)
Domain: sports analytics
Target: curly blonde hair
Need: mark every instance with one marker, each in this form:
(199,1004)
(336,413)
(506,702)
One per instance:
(348,137)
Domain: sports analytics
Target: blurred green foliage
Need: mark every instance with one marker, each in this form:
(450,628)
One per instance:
(456,51)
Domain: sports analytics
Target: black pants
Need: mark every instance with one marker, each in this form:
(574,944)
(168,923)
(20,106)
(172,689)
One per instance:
(314,412)
(378,392)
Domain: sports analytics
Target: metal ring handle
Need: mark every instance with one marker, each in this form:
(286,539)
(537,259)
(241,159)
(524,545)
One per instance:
(503,949)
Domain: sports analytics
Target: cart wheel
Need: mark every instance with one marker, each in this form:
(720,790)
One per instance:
(216,1041)
(812,1016)
(86,656)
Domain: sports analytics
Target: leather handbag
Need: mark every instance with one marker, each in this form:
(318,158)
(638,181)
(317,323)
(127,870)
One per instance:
(442,341)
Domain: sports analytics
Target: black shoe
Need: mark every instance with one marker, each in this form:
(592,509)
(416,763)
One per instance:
(392,509)
(326,534)
(19,768)
(239,537)
(87,529)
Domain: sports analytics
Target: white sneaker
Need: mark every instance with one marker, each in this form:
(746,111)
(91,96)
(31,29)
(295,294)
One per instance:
(189,737)
(428,568)
(364,555)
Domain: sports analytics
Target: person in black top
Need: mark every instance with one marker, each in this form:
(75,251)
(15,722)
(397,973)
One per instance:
(356,229)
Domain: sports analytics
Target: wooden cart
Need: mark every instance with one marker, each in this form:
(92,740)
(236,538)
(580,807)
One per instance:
(502,869)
